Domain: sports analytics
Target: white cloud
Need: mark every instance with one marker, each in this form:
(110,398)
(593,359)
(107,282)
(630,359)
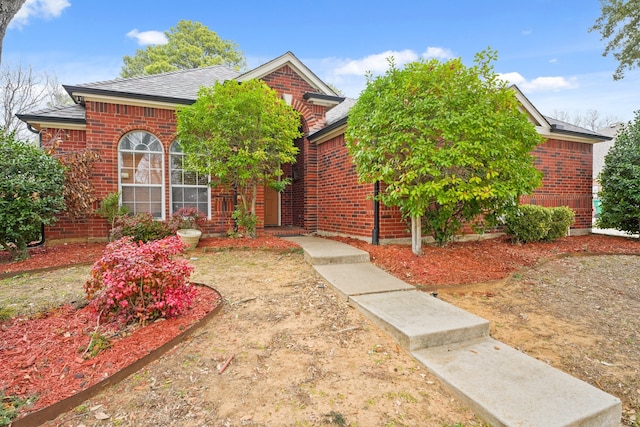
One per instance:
(148,37)
(377,63)
(553,60)
(527,32)
(45,9)
(437,52)
(540,84)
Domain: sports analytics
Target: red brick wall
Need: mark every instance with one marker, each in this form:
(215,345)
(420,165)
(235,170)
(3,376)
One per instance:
(343,204)
(344,208)
(567,169)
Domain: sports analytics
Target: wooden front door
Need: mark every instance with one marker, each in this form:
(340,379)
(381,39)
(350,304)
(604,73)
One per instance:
(271,207)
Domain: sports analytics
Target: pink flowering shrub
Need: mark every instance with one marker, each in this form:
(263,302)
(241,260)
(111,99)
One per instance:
(140,282)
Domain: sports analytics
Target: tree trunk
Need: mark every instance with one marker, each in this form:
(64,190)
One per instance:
(416,235)
(8,9)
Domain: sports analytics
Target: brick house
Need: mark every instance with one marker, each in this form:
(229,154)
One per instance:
(132,124)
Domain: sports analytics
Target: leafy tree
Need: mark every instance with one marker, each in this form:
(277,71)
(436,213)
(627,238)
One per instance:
(620,23)
(448,142)
(31,193)
(8,9)
(620,180)
(190,45)
(240,134)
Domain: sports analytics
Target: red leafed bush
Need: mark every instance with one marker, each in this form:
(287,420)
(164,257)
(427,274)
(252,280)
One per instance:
(140,282)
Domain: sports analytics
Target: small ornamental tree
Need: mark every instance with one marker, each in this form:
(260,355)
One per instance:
(31,193)
(620,181)
(240,134)
(140,282)
(448,142)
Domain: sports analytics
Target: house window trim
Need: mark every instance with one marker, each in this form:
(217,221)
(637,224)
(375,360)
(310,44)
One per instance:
(162,185)
(171,185)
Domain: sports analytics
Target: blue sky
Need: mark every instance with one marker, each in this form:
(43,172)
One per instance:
(543,45)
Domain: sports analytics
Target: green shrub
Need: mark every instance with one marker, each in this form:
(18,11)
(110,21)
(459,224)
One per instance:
(141,227)
(561,219)
(528,223)
(531,223)
(31,193)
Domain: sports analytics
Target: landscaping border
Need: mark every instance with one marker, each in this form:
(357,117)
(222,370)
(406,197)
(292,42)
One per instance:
(51,412)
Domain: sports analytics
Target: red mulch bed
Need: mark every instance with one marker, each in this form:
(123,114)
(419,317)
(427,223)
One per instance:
(43,356)
(482,261)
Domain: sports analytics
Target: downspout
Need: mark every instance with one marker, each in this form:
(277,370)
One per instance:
(375,233)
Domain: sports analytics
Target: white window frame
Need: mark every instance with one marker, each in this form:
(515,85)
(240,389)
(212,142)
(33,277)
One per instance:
(173,152)
(136,138)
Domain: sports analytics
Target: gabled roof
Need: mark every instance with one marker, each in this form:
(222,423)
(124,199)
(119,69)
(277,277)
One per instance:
(178,87)
(292,61)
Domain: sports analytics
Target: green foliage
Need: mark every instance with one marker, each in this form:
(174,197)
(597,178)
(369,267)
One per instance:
(111,210)
(97,343)
(141,227)
(531,223)
(620,23)
(190,45)
(528,223)
(140,282)
(240,134)
(561,219)
(246,220)
(10,407)
(449,142)
(31,193)
(620,181)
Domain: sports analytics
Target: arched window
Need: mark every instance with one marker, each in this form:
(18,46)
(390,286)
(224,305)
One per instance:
(141,173)
(188,189)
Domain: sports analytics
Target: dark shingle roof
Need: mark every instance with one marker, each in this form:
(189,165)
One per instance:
(63,113)
(559,126)
(181,86)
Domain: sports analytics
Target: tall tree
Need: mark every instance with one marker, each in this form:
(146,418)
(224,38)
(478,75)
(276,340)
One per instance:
(22,90)
(8,9)
(620,180)
(241,134)
(448,143)
(190,45)
(620,23)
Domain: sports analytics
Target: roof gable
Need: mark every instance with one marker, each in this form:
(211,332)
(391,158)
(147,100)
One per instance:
(296,65)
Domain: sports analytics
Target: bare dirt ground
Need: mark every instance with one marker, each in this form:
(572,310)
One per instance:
(580,314)
(299,356)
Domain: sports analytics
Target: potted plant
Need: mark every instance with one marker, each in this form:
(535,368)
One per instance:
(187,223)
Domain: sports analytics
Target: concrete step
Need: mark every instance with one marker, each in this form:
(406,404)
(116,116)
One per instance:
(418,320)
(319,251)
(359,279)
(508,388)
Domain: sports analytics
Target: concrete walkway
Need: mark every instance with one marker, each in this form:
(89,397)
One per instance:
(502,385)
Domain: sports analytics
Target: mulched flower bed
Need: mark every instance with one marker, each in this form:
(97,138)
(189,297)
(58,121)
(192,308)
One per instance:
(485,260)
(43,356)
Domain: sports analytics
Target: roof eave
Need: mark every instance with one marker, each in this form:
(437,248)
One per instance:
(328,132)
(77,92)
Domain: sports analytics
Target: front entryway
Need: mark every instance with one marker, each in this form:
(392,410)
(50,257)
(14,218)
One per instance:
(271,207)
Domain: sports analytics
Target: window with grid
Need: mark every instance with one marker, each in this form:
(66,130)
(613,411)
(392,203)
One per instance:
(141,173)
(188,189)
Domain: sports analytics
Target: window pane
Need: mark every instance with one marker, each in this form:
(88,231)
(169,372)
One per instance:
(190,178)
